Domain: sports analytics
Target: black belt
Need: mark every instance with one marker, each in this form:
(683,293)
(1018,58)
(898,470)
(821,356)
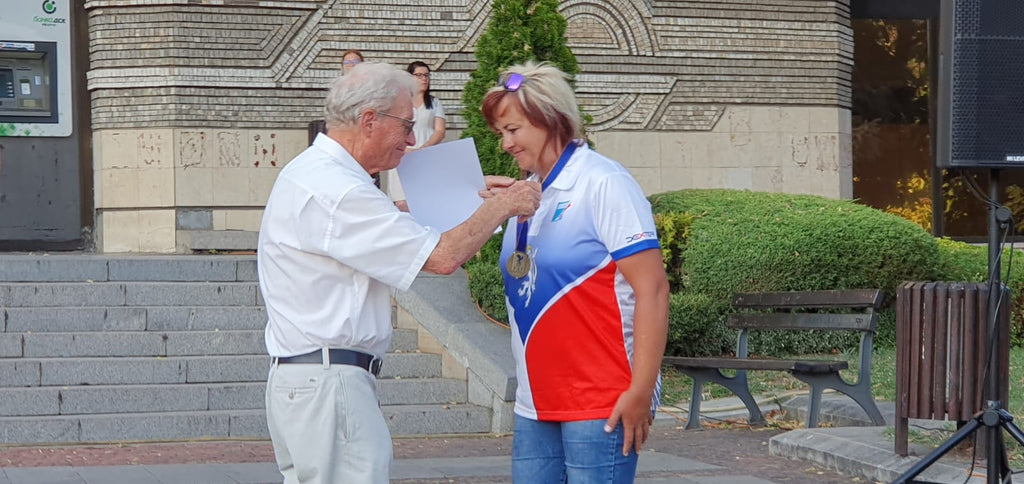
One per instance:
(337,356)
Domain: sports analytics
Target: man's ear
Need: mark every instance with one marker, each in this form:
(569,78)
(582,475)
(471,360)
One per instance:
(367,120)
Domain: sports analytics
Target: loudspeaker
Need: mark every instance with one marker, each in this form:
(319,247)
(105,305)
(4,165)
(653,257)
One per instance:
(981,84)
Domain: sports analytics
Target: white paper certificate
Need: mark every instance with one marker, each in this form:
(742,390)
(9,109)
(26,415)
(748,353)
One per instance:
(442,182)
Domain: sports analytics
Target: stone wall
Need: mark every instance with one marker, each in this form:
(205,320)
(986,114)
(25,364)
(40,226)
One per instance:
(197,104)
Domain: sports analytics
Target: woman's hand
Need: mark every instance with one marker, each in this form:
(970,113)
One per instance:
(633,409)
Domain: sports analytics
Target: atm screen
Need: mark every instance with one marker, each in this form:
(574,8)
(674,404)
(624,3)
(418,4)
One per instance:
(6,83)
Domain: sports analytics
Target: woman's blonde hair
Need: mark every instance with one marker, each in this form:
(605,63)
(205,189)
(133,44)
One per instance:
(545,97)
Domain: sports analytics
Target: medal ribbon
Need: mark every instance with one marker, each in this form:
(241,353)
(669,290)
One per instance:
(523,228)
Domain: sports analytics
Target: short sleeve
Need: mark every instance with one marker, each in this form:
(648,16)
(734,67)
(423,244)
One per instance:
(623,216)
(438,108)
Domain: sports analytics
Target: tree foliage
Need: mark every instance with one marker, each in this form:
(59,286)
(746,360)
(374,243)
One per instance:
(518,31)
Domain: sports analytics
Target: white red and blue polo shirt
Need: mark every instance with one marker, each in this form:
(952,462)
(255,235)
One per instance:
(572,314)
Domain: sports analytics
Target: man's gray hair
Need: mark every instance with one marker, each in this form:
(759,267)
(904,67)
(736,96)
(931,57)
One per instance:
(369,85)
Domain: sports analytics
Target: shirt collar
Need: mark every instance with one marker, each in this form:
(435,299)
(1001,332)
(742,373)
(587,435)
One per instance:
(339,154)
(571,171)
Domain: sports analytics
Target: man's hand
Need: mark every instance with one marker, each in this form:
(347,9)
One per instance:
(495,184)
(521,198)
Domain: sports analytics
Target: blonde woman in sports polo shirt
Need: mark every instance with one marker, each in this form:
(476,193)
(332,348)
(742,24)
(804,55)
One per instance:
(586,290)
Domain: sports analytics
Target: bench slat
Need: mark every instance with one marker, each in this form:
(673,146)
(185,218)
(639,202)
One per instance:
(854,298)
(801,366)
(800,321)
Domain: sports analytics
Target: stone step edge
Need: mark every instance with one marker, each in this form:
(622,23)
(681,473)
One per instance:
(420,407)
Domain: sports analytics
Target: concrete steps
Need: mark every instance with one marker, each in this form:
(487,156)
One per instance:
(100,348)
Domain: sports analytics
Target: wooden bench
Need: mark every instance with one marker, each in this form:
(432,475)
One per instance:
(791,311)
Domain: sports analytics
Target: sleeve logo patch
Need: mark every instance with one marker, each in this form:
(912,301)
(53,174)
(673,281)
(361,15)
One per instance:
(641,236)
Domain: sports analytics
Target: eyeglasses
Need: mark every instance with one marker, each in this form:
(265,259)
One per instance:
(422,75)
(407,123)
(351,62)
(513,82)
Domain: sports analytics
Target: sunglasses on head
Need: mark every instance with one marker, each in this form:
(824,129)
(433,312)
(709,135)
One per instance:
(512,82)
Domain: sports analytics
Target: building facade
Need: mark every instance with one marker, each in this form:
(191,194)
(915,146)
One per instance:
(196,106)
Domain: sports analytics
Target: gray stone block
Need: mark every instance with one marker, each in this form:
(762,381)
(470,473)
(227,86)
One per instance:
(52,268)
(477,392)
(419,391)
(49,294)
(34,430)
(249,424)
(19,373)
(404,340)
(112,371)
(134,343)
(232,396)
(191,294)
(206,318)
(173,268)
(247,269)
(132,399)
(190,219)
(436,419)
(154,426)
(411,365)
(214,369)
(10,345)
(174,318)
(503,416)
(216,343)
(29,401)
(75,319)
(220,239)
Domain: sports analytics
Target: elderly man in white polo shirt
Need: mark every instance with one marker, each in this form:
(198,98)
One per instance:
(331,247)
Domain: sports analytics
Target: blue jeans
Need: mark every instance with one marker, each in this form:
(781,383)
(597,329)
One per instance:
(569,452)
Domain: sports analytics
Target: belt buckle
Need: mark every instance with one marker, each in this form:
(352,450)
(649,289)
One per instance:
(375,365)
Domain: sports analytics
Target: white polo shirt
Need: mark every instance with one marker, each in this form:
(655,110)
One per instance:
(331,246)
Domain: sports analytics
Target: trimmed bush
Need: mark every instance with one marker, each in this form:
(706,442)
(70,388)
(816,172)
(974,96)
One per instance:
(750,242)
(696,326)
(485,282)
(673,232)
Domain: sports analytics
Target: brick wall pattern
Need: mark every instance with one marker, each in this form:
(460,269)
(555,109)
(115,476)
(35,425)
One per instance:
(646,65)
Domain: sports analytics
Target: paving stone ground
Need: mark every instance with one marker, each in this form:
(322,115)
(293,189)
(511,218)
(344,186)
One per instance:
(734,451)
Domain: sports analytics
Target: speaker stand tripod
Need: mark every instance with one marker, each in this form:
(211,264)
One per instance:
(993,417)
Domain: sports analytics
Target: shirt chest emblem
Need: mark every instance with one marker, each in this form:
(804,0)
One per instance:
(560,209)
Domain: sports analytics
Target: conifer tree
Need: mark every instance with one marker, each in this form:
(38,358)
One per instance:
(519,30)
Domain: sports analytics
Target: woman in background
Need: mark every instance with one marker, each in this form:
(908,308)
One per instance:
(427,109)
(429,129)
(350,59)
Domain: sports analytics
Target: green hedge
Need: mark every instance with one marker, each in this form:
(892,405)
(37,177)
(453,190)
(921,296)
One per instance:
(750,241)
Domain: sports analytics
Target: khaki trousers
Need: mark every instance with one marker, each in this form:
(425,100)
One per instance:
(326,425)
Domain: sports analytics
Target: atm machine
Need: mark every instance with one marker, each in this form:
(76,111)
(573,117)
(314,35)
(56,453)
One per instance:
(42,154)
(28,89)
